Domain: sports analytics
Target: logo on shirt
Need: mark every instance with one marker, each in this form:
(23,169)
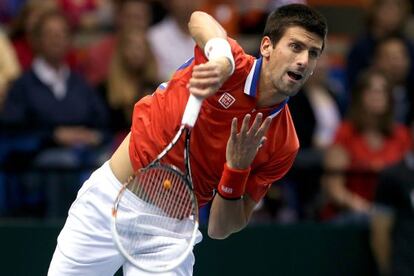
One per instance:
(226,100)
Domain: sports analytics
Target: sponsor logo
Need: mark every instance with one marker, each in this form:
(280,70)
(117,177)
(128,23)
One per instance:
(227,189)
(226,100)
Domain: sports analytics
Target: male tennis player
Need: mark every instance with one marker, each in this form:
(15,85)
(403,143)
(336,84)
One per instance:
(245,104)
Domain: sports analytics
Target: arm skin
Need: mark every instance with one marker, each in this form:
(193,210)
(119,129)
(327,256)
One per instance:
(381,228)
(226,216)
(230,216)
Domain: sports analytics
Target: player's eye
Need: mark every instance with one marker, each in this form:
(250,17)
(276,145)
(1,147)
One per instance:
(295,47)
(313,54)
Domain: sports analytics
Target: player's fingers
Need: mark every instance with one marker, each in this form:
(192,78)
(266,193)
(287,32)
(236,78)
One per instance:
(264,128)
(245,125)
(256,124)
(262,142)
(200,92)
(205,67)
(205,73)
(233,130)
(205,82)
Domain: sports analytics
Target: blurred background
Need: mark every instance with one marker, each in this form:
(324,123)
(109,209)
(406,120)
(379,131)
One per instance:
(71,71)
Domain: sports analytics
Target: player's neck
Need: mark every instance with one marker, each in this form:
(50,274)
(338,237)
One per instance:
(268,95)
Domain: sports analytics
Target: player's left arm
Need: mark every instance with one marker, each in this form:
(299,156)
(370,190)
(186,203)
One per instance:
(230,211)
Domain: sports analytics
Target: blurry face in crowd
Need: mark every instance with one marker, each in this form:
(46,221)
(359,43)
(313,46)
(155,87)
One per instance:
(35,11)
(54,40)
(375,97)
(182,9)
(292,60)
(134,50)
(134,14)
(392,58)
(389,15)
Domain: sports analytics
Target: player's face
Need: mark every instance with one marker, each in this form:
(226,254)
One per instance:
(292,60)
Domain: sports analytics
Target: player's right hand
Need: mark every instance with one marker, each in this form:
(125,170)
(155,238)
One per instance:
(207,78)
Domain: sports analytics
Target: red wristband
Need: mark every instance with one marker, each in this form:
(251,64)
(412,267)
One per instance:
(233,182)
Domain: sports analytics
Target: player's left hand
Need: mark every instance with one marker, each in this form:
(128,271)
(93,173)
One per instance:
(207,78)
(242,146)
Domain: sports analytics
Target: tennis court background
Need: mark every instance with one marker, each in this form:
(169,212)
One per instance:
(300,249)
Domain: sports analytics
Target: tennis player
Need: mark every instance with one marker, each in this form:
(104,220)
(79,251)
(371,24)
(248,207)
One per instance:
(243,141)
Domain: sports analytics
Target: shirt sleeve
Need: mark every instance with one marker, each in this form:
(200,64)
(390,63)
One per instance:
(264,176)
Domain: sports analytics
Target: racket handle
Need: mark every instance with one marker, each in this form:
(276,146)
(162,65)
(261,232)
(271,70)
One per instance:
(191,110)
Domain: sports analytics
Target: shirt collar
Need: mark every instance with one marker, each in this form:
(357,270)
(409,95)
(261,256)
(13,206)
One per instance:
(55,79)
(252,80)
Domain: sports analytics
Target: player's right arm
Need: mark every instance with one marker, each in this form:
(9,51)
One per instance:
(210,36)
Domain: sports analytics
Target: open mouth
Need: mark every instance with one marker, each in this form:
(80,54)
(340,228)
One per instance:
(294,76)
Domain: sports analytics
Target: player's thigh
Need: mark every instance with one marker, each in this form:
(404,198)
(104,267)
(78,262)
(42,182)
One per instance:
(184,269)
(61,265)
(85,243)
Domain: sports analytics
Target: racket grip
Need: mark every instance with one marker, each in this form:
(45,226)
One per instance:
(191,110)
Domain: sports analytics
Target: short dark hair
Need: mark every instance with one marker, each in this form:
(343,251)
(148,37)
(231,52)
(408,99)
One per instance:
(295,15)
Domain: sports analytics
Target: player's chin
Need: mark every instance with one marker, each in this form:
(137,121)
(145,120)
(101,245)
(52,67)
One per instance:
(291,91)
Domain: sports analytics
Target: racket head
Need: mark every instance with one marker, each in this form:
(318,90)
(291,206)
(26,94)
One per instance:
(156,209)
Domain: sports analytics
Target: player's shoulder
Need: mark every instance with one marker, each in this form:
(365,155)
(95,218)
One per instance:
(284,132)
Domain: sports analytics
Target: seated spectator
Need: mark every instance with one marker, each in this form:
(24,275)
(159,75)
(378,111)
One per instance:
(128,14)
(316,114)
(227,12)
(55,107)
(384,18)
(132,75)
(86,14)
(392,58)
(22,28)
(9,66)
(45,96)
(392,225)
(173,30)
(365,143)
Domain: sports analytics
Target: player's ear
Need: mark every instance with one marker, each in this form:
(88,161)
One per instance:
(266,47)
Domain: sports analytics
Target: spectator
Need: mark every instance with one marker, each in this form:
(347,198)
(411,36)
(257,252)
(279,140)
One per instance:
(22,27)
(45,96)
(128,14)
(55,110)
(9,66)
(173,30)
(392,226)
(392,58)
(384,18)
(132,75)
(317,115)
(365,143)
(86,14)
(226,12)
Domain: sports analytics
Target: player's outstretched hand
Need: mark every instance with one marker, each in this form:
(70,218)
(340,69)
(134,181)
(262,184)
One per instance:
(242,146)
(207,78)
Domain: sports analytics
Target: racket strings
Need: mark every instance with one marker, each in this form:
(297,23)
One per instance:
(167,221)
(166,191)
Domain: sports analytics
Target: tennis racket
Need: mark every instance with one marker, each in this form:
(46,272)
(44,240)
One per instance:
(155,214)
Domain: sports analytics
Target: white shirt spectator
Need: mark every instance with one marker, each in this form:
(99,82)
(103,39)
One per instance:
(169,59)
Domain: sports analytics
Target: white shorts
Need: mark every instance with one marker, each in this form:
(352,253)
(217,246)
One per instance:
(85,245)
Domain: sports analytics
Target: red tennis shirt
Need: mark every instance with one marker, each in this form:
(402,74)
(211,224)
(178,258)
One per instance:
(157,118)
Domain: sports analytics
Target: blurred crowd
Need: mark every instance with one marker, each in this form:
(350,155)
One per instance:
(71,71)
